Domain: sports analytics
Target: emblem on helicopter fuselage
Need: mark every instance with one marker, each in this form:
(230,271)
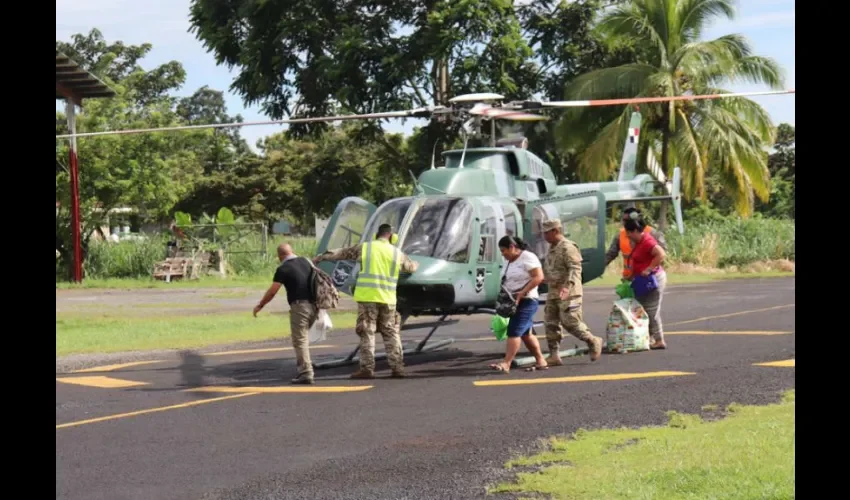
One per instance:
(341,273)
(479,279)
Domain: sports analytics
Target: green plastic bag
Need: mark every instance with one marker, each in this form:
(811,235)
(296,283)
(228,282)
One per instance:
(625,290)
(499,325)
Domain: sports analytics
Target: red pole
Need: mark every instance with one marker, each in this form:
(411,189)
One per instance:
(75,193)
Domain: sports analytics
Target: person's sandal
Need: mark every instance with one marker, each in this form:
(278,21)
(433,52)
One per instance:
(500,367)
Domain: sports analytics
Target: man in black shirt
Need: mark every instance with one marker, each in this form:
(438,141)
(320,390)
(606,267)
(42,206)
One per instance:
(294,274)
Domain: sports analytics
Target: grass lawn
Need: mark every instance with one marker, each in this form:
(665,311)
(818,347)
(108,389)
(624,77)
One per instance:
(749,454)
(88,333)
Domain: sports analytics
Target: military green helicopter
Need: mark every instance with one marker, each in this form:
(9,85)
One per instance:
(459,210)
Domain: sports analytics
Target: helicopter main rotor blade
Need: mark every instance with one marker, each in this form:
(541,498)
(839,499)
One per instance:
(639,100)
(413,113)
(487,111)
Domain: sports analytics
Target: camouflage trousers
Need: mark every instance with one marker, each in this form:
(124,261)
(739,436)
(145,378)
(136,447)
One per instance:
(384,319)
(566,313)
(302,315)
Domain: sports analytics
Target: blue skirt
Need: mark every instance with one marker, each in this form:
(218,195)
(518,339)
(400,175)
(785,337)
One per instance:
(521,322)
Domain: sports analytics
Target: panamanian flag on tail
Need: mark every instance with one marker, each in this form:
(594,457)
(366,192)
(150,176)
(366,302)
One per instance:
(633,134)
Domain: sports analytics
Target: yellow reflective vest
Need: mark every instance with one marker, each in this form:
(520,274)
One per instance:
(380,264)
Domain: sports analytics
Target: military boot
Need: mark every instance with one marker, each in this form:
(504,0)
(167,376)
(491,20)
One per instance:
(363,374)
(398,373)
(595,346)
(304,378)
(554,358)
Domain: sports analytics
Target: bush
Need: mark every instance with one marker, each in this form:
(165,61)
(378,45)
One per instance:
(126,259)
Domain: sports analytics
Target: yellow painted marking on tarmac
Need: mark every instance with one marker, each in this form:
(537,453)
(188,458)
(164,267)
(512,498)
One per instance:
(739,313)
(707,332)
(152,410)
(788,363)
(101,382)
(280,390)
(584,378)
(109,368)
(257,351)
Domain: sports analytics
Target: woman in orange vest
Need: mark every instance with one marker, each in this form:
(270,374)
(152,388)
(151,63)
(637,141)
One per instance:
(621,242)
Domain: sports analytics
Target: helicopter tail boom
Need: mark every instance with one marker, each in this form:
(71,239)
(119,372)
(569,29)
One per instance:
(629,160)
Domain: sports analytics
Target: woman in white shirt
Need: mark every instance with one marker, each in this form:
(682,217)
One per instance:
(523,273)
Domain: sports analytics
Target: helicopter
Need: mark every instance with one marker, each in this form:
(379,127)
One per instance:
(458,212)
(452,222)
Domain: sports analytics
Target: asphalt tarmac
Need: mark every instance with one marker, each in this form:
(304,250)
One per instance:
(226,424)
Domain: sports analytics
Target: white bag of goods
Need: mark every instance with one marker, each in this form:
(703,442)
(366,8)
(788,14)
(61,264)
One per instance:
(319,331)
(628,327)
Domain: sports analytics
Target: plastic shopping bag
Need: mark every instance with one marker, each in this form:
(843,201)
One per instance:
(624,290)
(628,327)
(319,331)
(499,326)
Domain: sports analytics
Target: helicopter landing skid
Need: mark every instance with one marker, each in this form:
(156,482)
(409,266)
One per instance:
(421,347)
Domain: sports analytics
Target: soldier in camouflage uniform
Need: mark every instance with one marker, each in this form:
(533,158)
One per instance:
(375,316)
(564,296)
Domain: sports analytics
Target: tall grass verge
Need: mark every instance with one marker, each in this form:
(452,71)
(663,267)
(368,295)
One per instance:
(725,244)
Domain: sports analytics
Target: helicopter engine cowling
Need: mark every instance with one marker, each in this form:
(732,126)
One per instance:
(436,285)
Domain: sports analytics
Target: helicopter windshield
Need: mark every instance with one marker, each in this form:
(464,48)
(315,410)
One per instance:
(441,228)
(392,212)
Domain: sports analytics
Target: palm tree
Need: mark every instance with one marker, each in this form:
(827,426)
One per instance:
(729,135)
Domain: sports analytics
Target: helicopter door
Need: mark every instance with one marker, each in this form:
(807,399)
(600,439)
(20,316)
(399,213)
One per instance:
(491,227)
(345,228)
(583,221)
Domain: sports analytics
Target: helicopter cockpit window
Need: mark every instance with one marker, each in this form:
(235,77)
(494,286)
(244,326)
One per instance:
(541,213)
(349,226)
(392,212)
(442,229)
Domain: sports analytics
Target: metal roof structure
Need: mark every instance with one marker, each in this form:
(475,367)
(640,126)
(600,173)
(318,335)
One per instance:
(75,83)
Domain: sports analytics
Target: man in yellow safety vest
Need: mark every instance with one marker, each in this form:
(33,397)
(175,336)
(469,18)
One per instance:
(621,242)
(375,294)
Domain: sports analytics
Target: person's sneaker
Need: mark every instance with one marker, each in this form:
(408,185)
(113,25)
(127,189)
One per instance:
(303,379)
(363,374)
(596,348)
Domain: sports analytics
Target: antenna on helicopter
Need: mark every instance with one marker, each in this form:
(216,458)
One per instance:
(466,129)
(434,154)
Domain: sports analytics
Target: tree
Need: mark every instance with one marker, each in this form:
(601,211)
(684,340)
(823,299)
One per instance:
(150,172)
(318,58)
(727,136)
(782,166)
(225,147)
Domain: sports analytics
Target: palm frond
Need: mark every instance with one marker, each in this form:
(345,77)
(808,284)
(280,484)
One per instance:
(688,154)
(737,152)
(628,22)
(602,156)
(725,51)
(628,80)
(694,15)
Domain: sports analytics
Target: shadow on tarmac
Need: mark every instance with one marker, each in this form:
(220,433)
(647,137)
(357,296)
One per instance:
(194,371)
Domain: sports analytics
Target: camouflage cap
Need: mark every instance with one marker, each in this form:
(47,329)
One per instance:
(551,224)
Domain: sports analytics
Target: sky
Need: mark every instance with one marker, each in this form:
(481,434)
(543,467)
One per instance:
(768,24)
